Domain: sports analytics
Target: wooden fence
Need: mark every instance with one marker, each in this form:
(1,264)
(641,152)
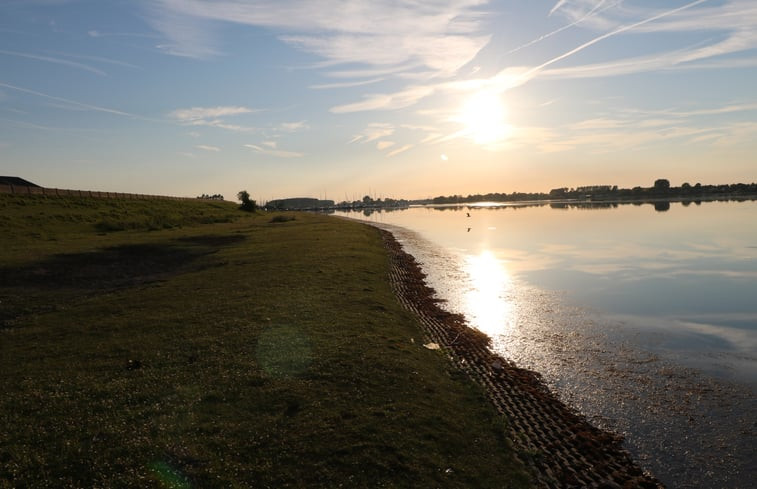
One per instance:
(59,192)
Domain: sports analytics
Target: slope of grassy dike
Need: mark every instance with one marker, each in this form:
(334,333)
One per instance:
(193,345)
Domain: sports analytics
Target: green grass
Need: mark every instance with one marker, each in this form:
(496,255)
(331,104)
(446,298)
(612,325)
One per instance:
(225,350)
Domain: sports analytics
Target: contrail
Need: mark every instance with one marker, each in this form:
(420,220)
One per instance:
(557,6)
(596,10)
(610,34)
(54,60)
(68,101)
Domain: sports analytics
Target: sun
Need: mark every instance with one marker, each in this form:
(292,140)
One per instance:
(484,118)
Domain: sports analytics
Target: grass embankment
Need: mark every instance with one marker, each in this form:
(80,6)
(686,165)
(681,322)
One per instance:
(204,347)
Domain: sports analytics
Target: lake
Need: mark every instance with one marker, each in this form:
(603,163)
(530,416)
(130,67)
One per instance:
(642,317)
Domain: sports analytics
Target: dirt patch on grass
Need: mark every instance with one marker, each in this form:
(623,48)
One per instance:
(108,268)
(115,267)
(560,446)
(49,283)
(214,240)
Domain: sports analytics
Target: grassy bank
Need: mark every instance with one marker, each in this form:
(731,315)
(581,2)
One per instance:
(183,344)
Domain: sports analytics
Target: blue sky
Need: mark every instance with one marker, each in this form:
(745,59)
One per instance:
(339,99)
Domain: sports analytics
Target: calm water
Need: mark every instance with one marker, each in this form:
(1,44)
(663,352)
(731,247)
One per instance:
(643,320)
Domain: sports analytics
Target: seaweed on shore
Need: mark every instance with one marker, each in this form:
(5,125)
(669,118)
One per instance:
(559,444)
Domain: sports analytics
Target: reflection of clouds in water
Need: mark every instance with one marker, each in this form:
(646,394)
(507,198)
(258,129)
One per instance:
(635,262)
(733,274)
(525,260)
(695,332)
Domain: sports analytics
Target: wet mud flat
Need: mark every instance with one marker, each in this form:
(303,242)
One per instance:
(559,445)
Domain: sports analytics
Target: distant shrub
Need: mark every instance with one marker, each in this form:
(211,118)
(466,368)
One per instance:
(248,204)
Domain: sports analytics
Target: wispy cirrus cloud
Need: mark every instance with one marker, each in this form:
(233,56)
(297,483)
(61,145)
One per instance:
(217,117)
(327,86)
(620,30)
(399,150)
(733,26)
(271,148)
(293,126)
(182,34)
(207,147)
(733,134)
(440,36)
(213,117)
(603,15)
(636,129)
(388,101)
(373,132)
(368,43)
(203,113)
(733,23)
(378,134)
(382,145)
(726,109)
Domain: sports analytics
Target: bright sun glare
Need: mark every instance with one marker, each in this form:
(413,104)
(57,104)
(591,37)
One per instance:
(484,118)
(486,300)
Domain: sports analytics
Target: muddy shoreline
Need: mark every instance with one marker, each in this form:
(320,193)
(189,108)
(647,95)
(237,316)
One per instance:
(558,444)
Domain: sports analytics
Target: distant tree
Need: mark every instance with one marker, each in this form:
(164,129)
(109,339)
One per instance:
(662,206)
(247,204)
(662,185)
(211,197)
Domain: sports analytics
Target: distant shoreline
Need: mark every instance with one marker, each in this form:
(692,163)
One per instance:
(512,200)
(660,190)
(660,204)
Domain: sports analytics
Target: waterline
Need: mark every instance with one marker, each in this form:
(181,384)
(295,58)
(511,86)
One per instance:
(678,386)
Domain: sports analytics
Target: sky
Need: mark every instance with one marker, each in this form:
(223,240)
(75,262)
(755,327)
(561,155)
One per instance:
(338,99)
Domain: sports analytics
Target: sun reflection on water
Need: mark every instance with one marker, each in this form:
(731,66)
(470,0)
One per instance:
(486,300)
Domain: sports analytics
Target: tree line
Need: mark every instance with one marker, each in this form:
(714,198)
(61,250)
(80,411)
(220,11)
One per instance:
(660,189)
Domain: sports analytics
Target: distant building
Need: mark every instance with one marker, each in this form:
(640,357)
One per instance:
(299,203)
(17,182)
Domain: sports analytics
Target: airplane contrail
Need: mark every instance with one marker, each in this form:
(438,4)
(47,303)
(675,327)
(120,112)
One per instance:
(610,34)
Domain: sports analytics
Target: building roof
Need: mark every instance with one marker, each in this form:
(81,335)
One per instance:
(16,181)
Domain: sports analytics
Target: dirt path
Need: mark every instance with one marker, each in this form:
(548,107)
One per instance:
(559,445)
